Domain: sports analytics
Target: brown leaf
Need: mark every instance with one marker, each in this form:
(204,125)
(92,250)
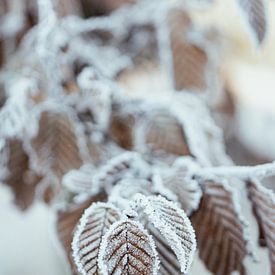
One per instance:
(163,132)
(56,144)
(121,130)
(21,179)
(263,201)
(66,223)
(128,249)
(220,231)
(189,59)
(93,225)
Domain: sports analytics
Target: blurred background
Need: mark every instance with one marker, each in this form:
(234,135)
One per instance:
(27,242)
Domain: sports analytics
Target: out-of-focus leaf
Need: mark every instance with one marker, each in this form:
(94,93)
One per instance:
(263,201)
(254,13)
(220,230)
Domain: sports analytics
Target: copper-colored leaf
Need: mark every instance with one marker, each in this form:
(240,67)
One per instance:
(254,12)
(120,130)
(263,201)
(163,132)
(93,225)
(56,144)
(220,230)
(128,249)
(20,178)
(66,223)
(189,59)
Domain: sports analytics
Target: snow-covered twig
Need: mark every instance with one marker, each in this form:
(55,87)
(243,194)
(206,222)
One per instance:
(243,172)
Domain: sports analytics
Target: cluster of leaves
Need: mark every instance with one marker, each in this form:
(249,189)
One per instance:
(125,174)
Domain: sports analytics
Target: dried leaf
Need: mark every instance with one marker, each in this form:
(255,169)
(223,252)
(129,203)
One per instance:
(220,230)
(125,164)
(263,201)
(254,12)
(187,190)
(93,225)
(173,225)
(79,181)
(56,144)
(169,264)
(128,249)
(21,179)
(120,130)
(164,132)
(66,224)
(189,59)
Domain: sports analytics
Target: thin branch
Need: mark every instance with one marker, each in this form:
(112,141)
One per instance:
(242,172)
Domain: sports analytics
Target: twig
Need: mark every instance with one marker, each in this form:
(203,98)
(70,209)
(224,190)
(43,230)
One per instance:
(242,172)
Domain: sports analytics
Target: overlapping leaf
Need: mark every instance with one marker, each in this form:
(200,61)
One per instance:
(93,225)
(175,228)
(128,249)
(263,201)
(220,230)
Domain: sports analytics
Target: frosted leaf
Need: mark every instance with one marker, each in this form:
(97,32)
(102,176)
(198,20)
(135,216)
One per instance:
(126,189)
(169,263)
(20,178)
(93,225)
(67,220)
(173,225)
(56,144)
(14,116)
(187,189)
(190,61)
(121,129)
(221,230)
(163,132)
(124,165)
(80,181)
(263,201)
(254,13)
(128,249)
